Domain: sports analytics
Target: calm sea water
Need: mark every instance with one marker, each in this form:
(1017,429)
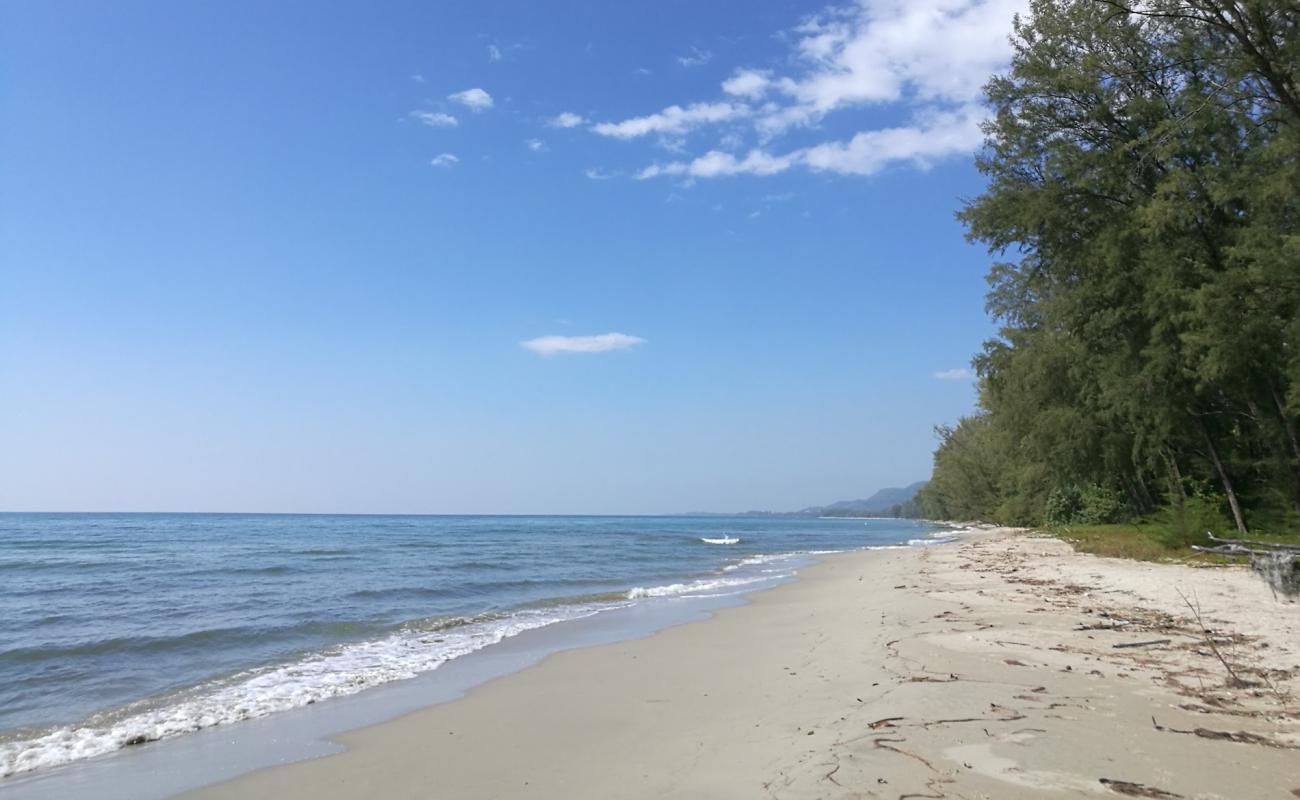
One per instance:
(122,628)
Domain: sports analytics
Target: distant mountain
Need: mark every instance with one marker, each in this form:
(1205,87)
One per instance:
(878,504)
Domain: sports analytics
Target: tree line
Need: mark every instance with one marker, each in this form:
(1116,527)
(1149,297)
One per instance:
(1143,205)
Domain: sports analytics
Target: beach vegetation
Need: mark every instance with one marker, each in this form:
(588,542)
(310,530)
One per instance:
(1149,539)
(1143,207)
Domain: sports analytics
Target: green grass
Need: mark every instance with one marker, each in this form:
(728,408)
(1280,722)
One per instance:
(1147,540)
(1141,541)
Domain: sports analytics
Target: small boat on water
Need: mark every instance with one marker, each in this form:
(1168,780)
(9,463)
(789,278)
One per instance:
(723,540)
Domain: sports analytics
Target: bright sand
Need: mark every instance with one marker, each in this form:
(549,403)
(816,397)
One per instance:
(984,669)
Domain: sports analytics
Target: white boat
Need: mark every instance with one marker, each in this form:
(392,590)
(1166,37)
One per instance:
(723,540)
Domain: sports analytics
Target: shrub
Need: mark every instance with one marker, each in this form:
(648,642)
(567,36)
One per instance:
(1098,505)
(1062,505)
(1189,518)
(1092,504)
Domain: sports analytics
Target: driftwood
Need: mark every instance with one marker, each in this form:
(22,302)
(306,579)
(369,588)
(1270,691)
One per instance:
(1136,789)
(1240,737)
(1276,563)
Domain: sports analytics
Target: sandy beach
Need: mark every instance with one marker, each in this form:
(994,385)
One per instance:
(1003,666)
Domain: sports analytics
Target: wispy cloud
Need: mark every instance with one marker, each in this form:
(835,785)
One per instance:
(748,83)
(926,58)
(444,160)
(933,137)
(601,343)
(418,78)
(475,99)
(435,119)
(672,120)
(536,145)
(716,163)
(565,119)
(599,174)
(958,374)
(498,52)
(927,54)
(696,58)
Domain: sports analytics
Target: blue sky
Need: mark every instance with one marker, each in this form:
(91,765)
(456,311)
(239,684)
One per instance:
(304,257)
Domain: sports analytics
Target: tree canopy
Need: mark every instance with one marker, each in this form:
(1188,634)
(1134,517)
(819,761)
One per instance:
(1143,202)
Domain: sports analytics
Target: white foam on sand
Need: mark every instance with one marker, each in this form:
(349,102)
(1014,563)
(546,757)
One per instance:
(695,588)
(336,672)
(342,670)
(349,668)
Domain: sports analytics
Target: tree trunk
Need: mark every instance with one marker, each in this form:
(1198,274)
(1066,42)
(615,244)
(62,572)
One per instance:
(1176,476)
(1289,426)
(1223,477)
(1287,422)
(1145,500)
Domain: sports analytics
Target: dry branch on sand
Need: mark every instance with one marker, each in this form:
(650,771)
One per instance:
(1276,563)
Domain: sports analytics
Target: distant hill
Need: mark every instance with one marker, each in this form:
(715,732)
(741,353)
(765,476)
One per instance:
(879,504)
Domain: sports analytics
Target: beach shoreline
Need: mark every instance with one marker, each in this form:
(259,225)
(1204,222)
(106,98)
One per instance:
(1002,665)
(376,606)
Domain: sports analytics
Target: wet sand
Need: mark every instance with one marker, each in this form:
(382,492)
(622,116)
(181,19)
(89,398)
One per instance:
(1003,666)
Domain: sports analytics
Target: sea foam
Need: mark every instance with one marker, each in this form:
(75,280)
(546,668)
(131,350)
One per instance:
(383,582)
(337,672)
(340,671)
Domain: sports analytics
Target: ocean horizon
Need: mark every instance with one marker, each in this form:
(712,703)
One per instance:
(125,628)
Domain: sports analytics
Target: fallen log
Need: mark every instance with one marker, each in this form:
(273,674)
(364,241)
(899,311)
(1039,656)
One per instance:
(1277,563)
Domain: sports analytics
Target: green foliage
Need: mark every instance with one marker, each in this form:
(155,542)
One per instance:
(1142,541)
(909,509)
(1062,506)
(966,476)
(1186,520)
(1143,200)
(1087,505)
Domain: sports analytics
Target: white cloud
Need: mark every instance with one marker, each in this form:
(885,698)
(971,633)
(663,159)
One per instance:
(696,58)
(598,174)
(600,343)
(748,83)
(474,99)
(936,136)
(494,53)
(716,163)
(922,52)
(926,59)
(435,119)
(536,145)
(444,160)
(958,374)
(672,120)
(565,119)
(418,78)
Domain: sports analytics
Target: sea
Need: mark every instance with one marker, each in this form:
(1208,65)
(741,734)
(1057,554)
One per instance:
(118,630)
